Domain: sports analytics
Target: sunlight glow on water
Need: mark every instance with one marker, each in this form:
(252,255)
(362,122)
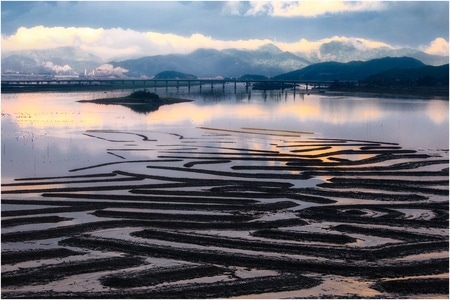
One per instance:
(44,133)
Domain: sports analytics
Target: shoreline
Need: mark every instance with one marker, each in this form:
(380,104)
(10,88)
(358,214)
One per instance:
(440,93)
(393,92)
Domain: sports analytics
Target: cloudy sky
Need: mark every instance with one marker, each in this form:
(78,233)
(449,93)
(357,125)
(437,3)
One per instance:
(120,29)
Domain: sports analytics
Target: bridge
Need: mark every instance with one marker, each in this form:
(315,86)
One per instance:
(57,83)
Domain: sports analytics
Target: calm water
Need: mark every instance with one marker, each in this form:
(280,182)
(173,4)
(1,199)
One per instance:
(45,134)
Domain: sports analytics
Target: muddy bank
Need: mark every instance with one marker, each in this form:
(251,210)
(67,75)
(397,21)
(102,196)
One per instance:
(207,220)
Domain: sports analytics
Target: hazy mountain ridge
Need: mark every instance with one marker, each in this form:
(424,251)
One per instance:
(426,75)
(267,60)
(345,52)
(212,63)
(354,70)
(70,60)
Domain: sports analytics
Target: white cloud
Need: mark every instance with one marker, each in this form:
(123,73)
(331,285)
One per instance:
(232,8)
(305,46)
(109,70)
(437,47)
(310,8)
(118,43)
(57,68)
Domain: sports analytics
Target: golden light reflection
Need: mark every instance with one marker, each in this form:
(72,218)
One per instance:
(303,111)
(437,111)
(28,110)
(331,114)
(203,114)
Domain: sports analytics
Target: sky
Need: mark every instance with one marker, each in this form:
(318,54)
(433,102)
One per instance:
(128,29)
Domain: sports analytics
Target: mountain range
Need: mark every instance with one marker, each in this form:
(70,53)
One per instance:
(354,70)
(267,60)
(62,60)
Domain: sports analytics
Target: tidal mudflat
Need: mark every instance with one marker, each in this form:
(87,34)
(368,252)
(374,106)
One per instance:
(223,198)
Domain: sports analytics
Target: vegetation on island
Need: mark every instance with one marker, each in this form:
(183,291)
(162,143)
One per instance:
(142,101)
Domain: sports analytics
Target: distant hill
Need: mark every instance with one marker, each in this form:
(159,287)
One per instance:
(253,77)
(174,75)
(423,76)
(346,51)
(62,60)
(267,60)
(354,70)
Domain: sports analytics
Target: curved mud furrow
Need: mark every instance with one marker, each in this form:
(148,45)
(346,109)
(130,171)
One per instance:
(388,251)
(184,217)
(42,211)
(242,244)
(414,286)
(14,257)
(231,212)
(115,180)
(161,275)
(44,274)
(206,162)
(385,185)
(66,177)
(387,232)
(230,192)
(174,223)
(235,174)
(123,162)
(233,288)
(362,195)
(11,222)
(348,171)
(369,269)
(359,214)
(143,137)
(285,235)
(176,197)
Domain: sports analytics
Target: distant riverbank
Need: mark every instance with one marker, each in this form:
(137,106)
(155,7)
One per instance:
(395,92)
(422,92)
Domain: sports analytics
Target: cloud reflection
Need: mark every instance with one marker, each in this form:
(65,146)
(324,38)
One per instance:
(44,132)
(437,111)
(308,110)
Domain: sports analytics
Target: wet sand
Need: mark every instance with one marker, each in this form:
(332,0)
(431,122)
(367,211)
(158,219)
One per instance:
(209,219)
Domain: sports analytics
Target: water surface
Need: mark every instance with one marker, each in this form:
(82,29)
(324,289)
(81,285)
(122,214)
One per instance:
(45,133)
(261,184)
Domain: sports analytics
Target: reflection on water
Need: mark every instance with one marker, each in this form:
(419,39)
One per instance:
(45,131)
(228,180)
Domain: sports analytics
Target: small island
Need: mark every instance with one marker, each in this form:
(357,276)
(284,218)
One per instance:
(142,101)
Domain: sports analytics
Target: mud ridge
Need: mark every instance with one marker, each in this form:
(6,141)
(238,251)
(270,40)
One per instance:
(204,219)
